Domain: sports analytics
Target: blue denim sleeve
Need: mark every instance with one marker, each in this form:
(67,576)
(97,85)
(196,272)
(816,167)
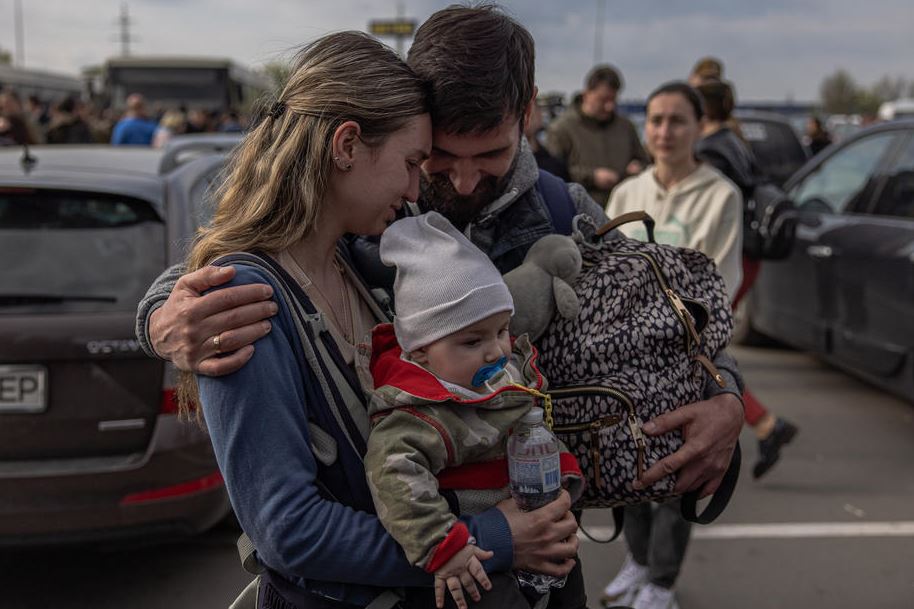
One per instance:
(257,420)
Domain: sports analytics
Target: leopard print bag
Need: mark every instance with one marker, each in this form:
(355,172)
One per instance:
(652,318)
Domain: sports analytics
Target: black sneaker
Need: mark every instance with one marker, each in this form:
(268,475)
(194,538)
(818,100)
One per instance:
(769,449)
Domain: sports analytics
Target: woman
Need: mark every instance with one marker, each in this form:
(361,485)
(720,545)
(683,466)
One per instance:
(694,206)
(729,154)
(336,154)
(816,137)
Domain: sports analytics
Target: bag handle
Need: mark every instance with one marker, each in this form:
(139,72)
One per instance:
(719,499)
(632,216)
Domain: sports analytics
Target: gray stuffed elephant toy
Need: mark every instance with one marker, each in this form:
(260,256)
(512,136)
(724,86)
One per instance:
(541,286)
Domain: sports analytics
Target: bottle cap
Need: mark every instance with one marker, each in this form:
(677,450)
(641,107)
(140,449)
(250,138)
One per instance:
(533,416)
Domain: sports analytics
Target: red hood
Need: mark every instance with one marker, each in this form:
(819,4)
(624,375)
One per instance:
(388,368)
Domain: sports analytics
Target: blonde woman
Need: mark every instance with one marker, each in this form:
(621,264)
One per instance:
(337,154)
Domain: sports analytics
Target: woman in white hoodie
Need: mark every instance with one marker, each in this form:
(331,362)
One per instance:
(694,206)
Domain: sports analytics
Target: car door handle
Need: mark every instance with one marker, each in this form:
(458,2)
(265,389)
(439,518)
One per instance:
(819,251)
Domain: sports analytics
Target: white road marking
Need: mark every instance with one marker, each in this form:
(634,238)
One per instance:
(785,530)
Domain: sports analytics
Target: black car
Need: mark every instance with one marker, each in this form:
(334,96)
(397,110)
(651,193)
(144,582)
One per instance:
(847,290)
(91,447)
(776,146)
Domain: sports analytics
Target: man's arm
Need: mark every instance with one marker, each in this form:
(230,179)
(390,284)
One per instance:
(176,322)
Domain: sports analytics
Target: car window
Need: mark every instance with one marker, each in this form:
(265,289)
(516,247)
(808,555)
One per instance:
(897,197)
(843,176)
(776,147)
(202,196)
(71,251)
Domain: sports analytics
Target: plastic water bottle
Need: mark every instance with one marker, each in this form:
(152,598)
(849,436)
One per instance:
(536,479)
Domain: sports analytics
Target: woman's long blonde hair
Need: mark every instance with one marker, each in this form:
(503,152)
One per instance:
(278,176)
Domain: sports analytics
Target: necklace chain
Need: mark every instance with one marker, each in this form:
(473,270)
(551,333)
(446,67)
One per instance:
(346,329)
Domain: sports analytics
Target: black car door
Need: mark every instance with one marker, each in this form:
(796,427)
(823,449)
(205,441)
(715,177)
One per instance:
(794,300)
(874,277)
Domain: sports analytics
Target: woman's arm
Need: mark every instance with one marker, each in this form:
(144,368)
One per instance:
(258,424)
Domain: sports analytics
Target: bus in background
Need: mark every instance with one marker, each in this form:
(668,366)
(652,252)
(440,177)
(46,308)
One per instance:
(46,86)
(172,82)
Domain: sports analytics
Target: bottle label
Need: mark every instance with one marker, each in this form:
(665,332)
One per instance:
(535,475)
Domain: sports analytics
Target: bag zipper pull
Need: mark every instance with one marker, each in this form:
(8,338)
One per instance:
(684,312)
(711,369)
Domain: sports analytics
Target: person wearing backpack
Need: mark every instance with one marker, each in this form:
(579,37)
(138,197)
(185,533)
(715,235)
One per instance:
(481,175)
(720,147)
(694,206)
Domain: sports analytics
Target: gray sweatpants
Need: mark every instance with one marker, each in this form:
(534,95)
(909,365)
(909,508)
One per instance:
(657,536)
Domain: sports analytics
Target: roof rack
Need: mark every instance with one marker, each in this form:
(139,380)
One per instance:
(183,148)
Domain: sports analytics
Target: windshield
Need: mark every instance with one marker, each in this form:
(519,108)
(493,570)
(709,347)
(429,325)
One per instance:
(67,251)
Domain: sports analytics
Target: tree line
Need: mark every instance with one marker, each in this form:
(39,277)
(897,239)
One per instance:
(841,94)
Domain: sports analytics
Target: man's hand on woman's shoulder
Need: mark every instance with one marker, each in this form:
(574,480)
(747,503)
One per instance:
(211,334)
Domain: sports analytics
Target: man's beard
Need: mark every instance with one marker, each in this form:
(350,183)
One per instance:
(438,194)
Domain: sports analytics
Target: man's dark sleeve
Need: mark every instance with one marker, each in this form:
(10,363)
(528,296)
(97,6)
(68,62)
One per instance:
(728,369)
(155,297)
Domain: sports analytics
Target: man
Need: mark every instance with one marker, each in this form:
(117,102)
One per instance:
(482,176)
(134,129)
(600,147)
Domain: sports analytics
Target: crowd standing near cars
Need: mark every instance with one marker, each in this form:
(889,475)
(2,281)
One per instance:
(70,120)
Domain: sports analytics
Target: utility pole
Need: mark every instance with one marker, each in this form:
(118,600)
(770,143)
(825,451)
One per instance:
(598,33)
(20,34)
(124,23)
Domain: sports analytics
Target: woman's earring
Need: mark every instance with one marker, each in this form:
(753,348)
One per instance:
(340,165)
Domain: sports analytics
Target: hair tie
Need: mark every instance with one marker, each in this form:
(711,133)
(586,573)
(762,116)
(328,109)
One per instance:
(277,109)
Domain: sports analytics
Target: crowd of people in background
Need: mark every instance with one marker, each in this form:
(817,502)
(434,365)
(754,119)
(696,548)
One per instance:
(70,120)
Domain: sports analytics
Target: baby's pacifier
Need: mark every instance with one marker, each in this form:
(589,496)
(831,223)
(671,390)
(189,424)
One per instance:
(488,371)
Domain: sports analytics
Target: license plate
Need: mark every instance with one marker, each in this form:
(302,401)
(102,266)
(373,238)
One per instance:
(23,389)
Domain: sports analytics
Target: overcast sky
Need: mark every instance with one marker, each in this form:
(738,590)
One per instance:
(772,49)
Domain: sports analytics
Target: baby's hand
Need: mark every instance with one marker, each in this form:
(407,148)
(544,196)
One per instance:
(459,572)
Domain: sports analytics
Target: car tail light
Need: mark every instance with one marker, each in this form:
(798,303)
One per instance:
(169,402)
(213,480)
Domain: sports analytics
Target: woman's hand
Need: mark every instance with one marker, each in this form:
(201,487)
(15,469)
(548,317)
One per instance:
(545,540)
(183,329)
(458,574)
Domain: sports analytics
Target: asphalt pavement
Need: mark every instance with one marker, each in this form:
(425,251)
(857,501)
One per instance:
(831,526)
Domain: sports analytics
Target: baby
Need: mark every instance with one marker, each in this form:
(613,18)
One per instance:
(448,385)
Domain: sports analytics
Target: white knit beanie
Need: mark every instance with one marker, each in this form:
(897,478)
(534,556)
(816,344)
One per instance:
(444,283)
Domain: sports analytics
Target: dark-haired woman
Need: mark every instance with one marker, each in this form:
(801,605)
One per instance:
(694,206)
(721,147)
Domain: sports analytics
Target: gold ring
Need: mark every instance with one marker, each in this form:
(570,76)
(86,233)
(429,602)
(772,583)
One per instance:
(216,344)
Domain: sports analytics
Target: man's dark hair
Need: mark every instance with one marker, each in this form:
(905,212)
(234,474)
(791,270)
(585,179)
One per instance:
(603,74)
(479,64)
(680,88)
(718,99)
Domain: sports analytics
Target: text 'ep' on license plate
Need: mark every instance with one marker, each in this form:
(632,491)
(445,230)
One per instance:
(23,389)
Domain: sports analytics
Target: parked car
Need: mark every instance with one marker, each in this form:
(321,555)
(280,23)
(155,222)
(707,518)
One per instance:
(91,447)
(847,291)
(774,142)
